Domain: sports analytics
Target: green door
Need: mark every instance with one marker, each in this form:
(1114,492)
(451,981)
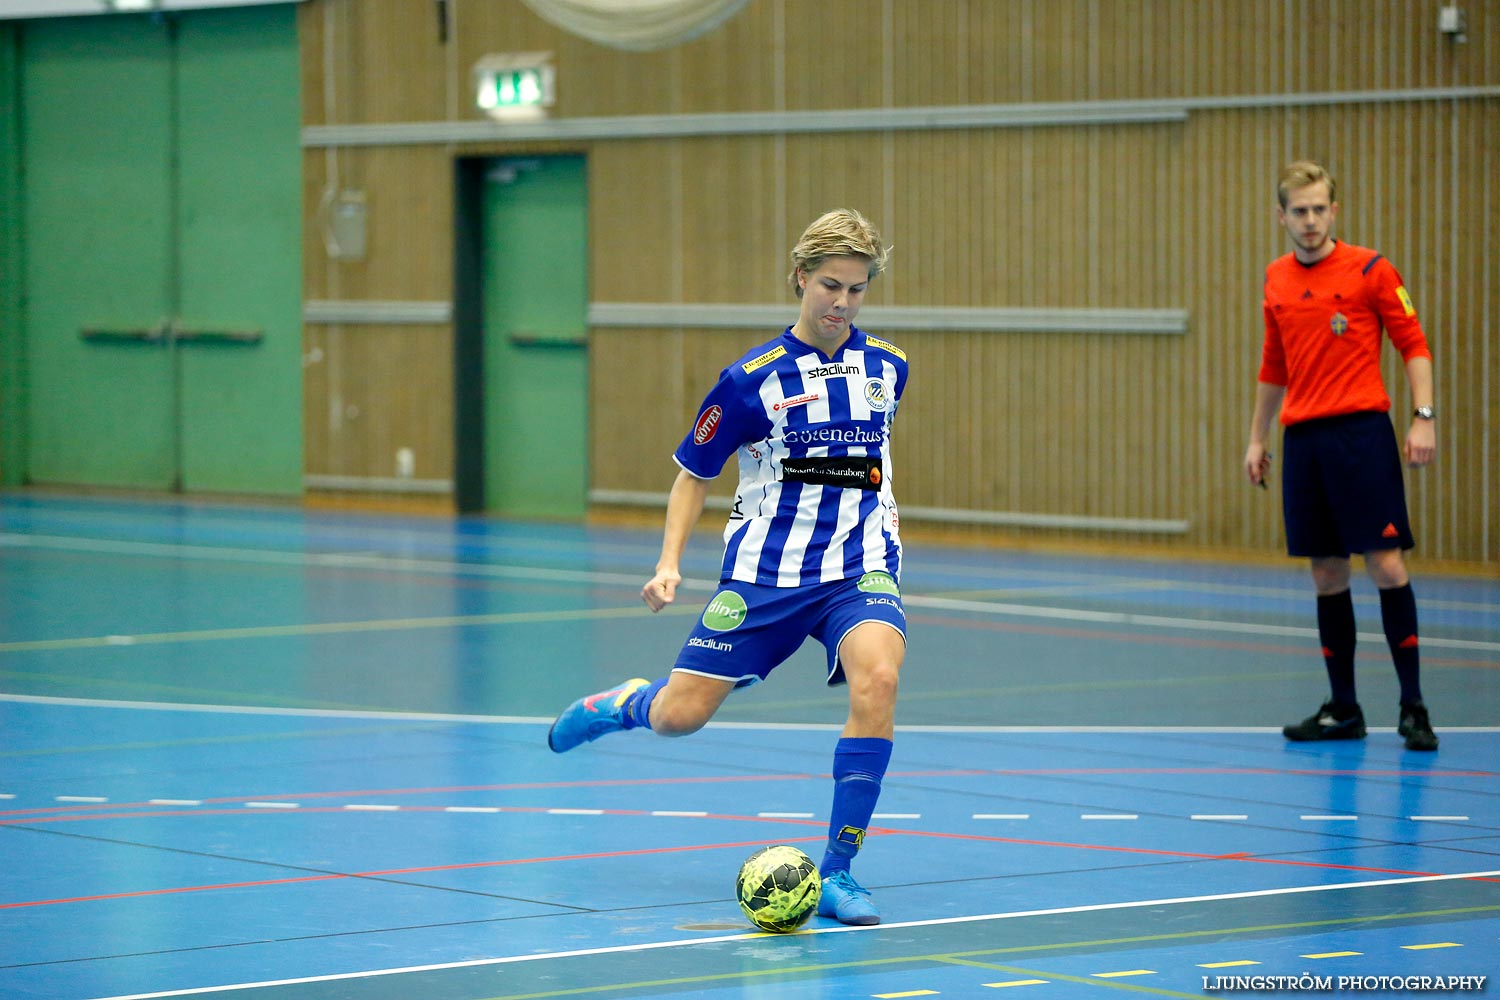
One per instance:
(161,209)
(96,152)
(534,277)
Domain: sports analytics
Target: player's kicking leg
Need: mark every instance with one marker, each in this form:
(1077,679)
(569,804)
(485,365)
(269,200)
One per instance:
(593,716)
(669,706)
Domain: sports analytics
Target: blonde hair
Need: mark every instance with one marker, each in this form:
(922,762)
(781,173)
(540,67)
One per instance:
(1296,176)
(840,233)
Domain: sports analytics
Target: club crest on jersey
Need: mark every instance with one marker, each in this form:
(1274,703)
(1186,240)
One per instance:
(708,422)
(875,394)
(1339,324)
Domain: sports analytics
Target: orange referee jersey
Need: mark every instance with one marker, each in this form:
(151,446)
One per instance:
(1323,325)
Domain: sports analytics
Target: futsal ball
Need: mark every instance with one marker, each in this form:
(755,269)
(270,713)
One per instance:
(778,888)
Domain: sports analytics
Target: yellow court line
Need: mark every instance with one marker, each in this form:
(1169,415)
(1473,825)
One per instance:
(1335,954)
(1015,982)
(908,993)
(1226,965)
(1437,944)
(336,628)
(1092,980)
(963,958)
(1124,972)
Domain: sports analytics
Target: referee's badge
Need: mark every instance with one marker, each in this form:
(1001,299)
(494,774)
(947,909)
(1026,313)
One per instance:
(1339,324)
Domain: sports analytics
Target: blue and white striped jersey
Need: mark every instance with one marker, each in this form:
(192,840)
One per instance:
(801,423)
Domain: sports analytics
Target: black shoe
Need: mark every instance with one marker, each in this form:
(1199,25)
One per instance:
(1331,722)
(1414,725)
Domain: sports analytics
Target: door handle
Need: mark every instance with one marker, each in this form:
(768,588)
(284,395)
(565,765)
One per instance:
(169,332)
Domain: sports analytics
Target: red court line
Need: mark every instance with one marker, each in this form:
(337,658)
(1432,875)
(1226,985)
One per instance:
(1253,771)
(1295,645)
(403,871)
(1237,856)
(888,831)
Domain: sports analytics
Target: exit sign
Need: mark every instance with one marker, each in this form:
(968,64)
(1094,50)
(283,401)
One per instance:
(515,85)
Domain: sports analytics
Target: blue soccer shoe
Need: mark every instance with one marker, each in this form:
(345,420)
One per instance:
(589,718)
(846,901)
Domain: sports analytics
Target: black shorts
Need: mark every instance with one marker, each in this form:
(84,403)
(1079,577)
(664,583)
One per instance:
(1341,487)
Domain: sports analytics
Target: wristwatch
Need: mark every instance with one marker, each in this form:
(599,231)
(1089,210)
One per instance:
(1425,412)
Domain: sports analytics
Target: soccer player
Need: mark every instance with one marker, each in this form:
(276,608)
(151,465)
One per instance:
(811,544)
(1341,484)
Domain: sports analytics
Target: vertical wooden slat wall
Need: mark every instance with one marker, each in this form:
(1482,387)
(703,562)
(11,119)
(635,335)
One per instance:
(1160,215)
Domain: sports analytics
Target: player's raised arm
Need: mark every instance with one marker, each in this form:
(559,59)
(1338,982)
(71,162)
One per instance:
(684,506)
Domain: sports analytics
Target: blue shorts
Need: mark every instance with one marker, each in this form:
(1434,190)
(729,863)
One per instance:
(746,630)
(1341,487)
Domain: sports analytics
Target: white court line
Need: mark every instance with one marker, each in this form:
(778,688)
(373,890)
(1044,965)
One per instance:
(539,720)
(590,577)
(356,560)
(872,929)
(1165,621)
(377,560)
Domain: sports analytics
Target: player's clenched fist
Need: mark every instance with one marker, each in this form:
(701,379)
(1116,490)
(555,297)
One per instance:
(661,589)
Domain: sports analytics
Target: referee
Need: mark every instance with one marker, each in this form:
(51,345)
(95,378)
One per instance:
(1342,491)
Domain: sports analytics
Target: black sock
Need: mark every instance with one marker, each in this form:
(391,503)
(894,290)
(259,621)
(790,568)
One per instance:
(1398,613)
(1336,631)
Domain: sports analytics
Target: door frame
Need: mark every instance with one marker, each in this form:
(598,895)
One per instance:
(469,241)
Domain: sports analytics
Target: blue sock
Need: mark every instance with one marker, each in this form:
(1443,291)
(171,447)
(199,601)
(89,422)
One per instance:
(637,713)
(859,764)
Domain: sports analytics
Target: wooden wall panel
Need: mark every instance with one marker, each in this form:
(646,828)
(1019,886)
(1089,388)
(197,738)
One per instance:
(728,217)
(732,69)
(656,394)
(369,391)
(384,61)
(409,207)
(634,222)
(1152,216)
(372,61)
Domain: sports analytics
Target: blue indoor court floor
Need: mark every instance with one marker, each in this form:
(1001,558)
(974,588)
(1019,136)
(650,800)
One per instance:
(282,753)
